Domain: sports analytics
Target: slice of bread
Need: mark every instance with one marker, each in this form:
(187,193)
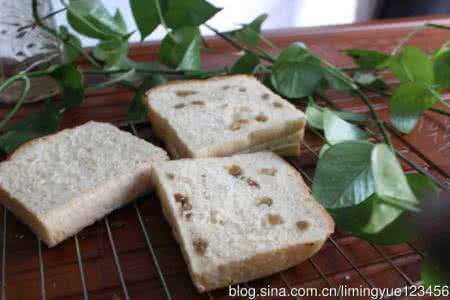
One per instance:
(241,217)
(222,116)
(61,183)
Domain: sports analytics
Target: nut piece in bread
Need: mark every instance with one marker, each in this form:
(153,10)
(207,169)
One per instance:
(241,217)
(61,183)
(222,116)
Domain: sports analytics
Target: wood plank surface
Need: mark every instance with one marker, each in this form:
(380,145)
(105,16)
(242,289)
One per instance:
(344,260)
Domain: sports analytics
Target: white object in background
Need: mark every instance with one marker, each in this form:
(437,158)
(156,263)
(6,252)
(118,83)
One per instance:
(26,49)
(282,14)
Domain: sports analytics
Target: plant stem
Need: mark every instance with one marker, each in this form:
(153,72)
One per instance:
(51,14)
(440,111)
(111,81)
(239,47)
(440,26)
(406,38)
(21,100)
(387,94)
(375,117)
(165,72)
(56,34)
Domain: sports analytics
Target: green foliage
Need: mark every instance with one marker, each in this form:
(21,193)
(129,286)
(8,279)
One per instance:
(412,64)
(370,81)
(111,51)
(296,73)
(338,80)
(71,54)
(246,64)
(337,130)
(343,175)
(367,59)
(407,104)
(389,180)
(376,221)
(250,33)
(315,116)
(441,65)
(70,81)
(92,19)
(146,15)
(181,49)
(182,13)
(33,126)
(137,109)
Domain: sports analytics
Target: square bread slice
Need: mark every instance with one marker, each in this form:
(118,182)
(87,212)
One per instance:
(241,217)
(61,183)
(222,116)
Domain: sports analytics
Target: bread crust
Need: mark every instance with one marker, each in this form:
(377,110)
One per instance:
(177,148)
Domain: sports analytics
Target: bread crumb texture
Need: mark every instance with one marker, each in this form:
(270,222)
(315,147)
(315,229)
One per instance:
(233,221)
(54,172)
(212,113)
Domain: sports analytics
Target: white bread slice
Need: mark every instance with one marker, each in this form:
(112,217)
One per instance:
(61,183)
(221,116)
(241,217)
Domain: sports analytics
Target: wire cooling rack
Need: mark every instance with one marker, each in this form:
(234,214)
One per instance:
(387,264)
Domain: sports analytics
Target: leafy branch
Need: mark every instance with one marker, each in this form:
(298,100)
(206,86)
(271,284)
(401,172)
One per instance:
(358,178)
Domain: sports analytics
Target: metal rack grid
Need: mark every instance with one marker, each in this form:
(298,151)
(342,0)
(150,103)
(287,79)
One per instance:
(335,243)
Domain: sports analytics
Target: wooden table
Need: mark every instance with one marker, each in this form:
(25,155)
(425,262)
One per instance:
(133,252)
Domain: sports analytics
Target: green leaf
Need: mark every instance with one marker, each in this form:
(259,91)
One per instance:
(91,18)
(127,63)
(296,73)
(324,148)
(70,82)
(355,220)
(181,49)
(441,64)
(33,126)
(182,13)
(69,51)
(338,80)
(422,186)
(370,80)
(368,218)
(120,21)
(343,176)
(146,15)
(407,104)
(250,33)
(434,273)
(412,64)
(137,110)
(315,115)
(337,130)
(367,59)
(246,64)
(111,51)
(390,181)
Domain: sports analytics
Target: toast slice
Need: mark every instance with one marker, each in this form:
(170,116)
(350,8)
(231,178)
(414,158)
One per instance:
(61,183)
(241,217)
(222,116)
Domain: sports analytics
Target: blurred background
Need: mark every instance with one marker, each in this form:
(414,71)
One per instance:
(294,13)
